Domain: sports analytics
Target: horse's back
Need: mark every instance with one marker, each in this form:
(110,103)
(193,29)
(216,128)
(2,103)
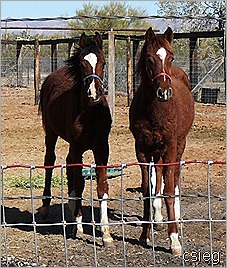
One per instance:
(180,75)
(57,95)
(183,101)
(55,84)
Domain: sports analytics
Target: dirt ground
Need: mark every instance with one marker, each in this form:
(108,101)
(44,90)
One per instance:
(23,143)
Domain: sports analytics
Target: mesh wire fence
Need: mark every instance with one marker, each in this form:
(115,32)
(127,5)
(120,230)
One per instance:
(210,74)
(29,241)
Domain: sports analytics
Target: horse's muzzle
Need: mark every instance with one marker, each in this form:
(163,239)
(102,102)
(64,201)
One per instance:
(164,95)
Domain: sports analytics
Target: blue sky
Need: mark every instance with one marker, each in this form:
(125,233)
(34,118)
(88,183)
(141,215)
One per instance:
(38,9)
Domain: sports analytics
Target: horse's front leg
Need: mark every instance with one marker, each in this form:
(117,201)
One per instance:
(50,142)
(145,236)
(146,231)
(101,154)
(75,189)
(170,189)
(158,186)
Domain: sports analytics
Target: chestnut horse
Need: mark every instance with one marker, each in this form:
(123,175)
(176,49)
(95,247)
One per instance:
(74,107)
(161,115)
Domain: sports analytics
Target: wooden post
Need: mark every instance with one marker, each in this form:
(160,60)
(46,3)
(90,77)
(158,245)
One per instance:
(193,62)
(19,58)
(135,48)
(129,72)
(36,70)
(111,73)
(54,57)
(70,45)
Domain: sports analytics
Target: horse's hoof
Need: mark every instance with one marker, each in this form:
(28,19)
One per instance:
(108,243)
(176,251)
(77,233)
(44,212)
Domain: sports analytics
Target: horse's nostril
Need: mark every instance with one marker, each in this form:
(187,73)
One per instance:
(170,92)
(159,92)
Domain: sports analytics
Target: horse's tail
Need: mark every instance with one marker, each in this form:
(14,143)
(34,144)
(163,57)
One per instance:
(41,103)
(40,108)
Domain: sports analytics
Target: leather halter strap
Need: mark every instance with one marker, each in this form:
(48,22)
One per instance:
(93,76)
(162,74)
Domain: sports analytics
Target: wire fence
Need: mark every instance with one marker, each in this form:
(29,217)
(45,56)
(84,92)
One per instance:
(209,251)
(211,75)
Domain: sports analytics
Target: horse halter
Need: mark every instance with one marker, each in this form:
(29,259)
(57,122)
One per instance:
(93,76)
(89,91)
(167,93)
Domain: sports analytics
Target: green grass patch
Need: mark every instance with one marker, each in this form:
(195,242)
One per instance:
(38,181)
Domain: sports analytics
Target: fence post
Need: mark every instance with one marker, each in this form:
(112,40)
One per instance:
(193,62)
(19,64)
(70,45)
(135,48)
(36,70)
(54,57)
(111,73)
(129,72)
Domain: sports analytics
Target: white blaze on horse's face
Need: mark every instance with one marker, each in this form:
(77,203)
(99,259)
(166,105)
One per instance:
(162,55)
(92,59)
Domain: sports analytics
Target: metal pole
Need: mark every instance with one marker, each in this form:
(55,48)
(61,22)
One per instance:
(36,70)
(111,74)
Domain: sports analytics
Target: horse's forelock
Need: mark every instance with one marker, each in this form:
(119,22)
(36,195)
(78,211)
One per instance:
(158,42)
(164,43)
(151,47)
(91,47)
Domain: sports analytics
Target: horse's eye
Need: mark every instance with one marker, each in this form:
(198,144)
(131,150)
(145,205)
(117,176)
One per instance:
(172,59)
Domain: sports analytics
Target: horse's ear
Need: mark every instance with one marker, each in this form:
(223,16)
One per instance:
(149,36)
(83,40)
(168,34)
(98,39)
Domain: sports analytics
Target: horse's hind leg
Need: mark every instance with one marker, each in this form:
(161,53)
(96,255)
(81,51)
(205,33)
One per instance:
(169,192)
(50,142)
(158,191)
(174,206)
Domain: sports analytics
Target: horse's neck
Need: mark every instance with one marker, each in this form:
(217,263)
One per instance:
(147,90)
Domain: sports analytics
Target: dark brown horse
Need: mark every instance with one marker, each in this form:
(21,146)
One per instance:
(74,107)
(161,115)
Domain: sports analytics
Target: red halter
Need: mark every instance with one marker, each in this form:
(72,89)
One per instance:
(162,74)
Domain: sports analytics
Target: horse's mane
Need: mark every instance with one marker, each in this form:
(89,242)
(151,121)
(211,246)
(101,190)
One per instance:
(159,41)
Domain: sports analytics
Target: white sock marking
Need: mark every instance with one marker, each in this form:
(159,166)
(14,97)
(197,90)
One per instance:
(79,224)
(104,219)
(175,244)
(92,59)
(72,206)
(103,209)
(157,203)
(153,179)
